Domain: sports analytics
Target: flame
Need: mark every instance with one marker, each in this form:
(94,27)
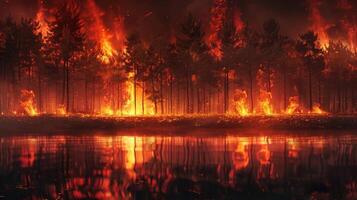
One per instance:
(318,23)
(316,109)
(238,22)
(218,13)
(107,111)
(61,110)
(293,106)
(101,33)
(41,19)
(264,103)
(240,101)
(27,102)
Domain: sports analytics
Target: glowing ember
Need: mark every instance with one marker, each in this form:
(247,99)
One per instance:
(27,102)
(265,105)
(293,107)
(240,101)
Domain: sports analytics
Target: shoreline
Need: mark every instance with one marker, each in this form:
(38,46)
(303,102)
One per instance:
(55,124)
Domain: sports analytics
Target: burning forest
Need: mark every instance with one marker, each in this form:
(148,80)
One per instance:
(103,59)
(178,99)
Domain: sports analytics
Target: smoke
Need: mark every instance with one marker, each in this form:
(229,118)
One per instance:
(161,18)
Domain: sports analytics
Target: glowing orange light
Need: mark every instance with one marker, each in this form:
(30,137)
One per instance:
(61,110)
(293,106)
(316,109)
(240,101)
(27,102)
(265,105)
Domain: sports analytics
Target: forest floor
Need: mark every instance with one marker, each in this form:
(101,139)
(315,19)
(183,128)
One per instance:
(78,123)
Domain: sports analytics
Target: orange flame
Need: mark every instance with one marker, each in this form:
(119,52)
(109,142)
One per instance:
(316,109)
(61,110)
(101,33)
(218,12)
(41,19)
(318,23)
(294,106)
(240,101)
(265,105)
(27,102)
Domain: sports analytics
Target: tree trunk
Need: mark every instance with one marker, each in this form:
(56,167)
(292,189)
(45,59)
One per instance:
(39,92)
(86,94)
(64,83)
(187,91)
(67,107)
(171,94)
(135,91)
(285,100)
(161,94)
(251,89)
(310,90)
(143,99)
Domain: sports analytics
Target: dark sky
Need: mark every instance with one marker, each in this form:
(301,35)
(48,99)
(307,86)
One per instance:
(155,18)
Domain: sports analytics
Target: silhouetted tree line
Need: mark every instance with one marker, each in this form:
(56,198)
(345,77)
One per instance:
(64,67)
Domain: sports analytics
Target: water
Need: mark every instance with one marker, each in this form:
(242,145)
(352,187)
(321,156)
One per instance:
(174,167)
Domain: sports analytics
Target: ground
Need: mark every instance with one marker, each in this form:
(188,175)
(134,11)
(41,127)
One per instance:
(74,123)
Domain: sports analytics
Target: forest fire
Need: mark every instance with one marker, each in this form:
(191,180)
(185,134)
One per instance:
(100,65)
(172,99)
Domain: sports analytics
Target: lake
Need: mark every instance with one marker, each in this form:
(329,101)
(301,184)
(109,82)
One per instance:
(182,166)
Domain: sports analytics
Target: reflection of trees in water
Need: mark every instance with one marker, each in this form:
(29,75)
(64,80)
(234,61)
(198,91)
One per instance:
(176,167)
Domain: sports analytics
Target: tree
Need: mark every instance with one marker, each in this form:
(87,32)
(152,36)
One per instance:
(249,58)
(230,39)
(191,46)
(312,57)
(67,38)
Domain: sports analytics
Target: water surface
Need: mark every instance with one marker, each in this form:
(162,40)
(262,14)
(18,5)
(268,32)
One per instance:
(179,167)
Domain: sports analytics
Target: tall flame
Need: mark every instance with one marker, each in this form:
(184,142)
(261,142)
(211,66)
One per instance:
(101,33)
(27,102)
(294,106)
(318,23)
(240,102)
(265,104)
(41,19)
(218,16)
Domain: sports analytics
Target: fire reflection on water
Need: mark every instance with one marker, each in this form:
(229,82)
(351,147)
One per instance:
(115,167)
